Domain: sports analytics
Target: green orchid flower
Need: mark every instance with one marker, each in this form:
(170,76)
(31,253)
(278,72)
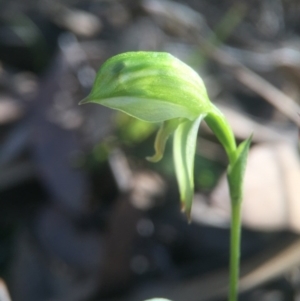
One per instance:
(157,87)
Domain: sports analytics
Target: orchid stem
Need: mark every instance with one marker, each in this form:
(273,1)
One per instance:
(235,241)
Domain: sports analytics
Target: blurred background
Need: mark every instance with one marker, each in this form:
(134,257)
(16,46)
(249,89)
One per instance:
(83,215)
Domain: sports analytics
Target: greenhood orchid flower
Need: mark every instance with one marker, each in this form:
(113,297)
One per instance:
(157,87)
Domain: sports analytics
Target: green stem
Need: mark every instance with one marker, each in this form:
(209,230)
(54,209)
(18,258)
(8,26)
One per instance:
(235,241)
(221,128)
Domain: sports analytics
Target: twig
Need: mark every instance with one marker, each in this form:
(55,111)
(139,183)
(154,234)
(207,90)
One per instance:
(256,83)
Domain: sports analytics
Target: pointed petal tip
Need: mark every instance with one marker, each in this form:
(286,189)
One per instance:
(186,212)
(84,101)
(182,207)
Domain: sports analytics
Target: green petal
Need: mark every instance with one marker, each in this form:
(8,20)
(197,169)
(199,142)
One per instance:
(184,148)
(152,86)
(150,110)
(166,129)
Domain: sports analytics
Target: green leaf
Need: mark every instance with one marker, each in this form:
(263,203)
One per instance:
(184,147)
(152,86)
(236,171)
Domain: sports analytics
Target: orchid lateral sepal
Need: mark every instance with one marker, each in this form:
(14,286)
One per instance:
(184,147)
